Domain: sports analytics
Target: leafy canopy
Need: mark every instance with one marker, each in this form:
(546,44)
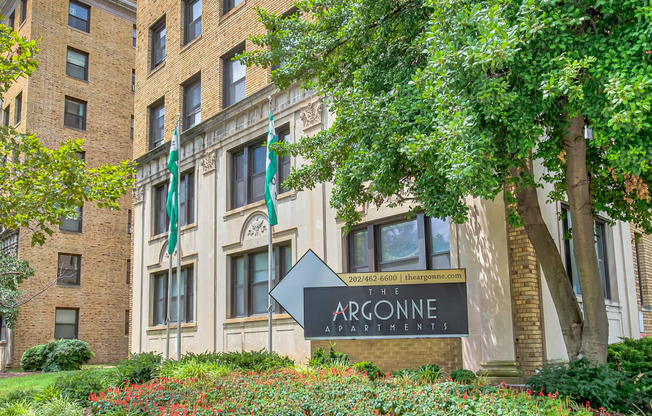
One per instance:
(437,100)
(40,186)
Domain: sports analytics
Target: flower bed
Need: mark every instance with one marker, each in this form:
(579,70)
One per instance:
(323,392)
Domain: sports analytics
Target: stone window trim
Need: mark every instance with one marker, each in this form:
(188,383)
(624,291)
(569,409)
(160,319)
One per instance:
(158,295)
(233,90)
(75,112)
(61,324)
(74,68)
(428,257)
(79,16)
(247,170)
(602,235)
(69,269)
(243,286)
(192,21)
(156,125)
(191,102)
(158,40)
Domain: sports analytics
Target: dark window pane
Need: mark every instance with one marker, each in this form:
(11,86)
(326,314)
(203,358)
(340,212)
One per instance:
(77,64)
(79,16)
(156,125)
(19,108)
(161,220)
(187,199)
(65,323)
(75,114)
(234,80)
(359,251)
(399,243)
(193,19)
(158,44)
(192,105)
(68,270)
(73,223)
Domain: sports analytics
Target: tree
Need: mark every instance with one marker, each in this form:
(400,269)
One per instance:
(437,100)
(12,273)
(40,186)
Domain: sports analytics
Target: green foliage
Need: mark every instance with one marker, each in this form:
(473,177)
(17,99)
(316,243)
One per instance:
(34,358)
(18,396)
(80,384)
(332,358)
(602,386)
(18,408)
(139,368)
(66,355)
(60,406)
(463,376)
(429,373)
(12,273)
(255,360)
(631,355)
(370,369)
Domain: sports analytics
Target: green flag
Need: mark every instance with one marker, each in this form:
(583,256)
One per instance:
(270,175)
(173,191)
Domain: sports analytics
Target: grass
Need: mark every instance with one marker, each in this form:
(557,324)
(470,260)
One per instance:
(37,381)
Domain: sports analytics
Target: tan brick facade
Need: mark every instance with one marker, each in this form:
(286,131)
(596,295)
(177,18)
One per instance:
(642,251)
(397,354)
(104,244)
(526,295)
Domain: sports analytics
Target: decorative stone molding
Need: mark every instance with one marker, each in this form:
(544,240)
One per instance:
(138,194)
(256,227)
(311,114)
(208,162)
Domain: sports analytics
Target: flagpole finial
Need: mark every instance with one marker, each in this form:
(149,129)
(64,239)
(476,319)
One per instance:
(269,97)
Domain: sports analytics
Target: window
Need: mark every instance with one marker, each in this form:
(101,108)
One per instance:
(187,199)
(5,115)
(159,298)
(75,114)
(18,116)
(127,322)
(417,244)
(68,270)
(134,37)
(77,64)
(156,124)
(234,79)
(79,16)
(11,20)
(161,220)
(131,132)
(23,10)
(192,103)
(248,173)
(128,272)
(230,4)
(158,43)
(192,20)
(128,221)
(66,323)
(73,223)
(249,280)
(133,80)
(3,329)
(600,250)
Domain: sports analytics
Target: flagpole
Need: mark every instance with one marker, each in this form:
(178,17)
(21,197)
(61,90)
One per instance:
(270,253)
(178,243)
(168,313)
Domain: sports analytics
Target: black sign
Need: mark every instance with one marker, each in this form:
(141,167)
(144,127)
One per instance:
(394,311)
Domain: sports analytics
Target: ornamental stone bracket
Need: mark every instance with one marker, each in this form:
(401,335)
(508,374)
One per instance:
(208,162)
(138,193)
(311,115)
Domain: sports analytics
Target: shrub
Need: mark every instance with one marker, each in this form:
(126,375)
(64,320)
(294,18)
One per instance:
(603,386)
(79,385)
(59,406)
(139,368)
(321,358)
(429,373)
(19,408)
(255,360)
(33,358)
(66,355)
(371,369)
(631,355)
(463,376)
(18,396)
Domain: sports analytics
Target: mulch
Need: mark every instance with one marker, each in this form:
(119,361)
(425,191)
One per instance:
(6,374)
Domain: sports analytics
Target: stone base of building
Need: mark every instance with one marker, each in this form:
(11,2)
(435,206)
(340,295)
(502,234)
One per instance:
(498,371)
(397,354)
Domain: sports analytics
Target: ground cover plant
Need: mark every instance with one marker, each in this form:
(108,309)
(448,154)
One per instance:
(324,391)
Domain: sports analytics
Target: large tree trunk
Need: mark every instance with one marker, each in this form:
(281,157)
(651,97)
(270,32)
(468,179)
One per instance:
(596,326)
(561,290)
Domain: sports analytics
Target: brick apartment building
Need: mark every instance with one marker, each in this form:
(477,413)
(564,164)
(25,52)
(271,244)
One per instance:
(184,66)
(83,88)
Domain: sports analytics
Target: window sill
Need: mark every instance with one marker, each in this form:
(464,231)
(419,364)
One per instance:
(240,211)
(79,30)
(70,286)
(646,308)
(164,236)
(70,231)
(77,79)
(190,326)
(255,318)
(73,128)
(190,44)
(228,14)
(17,124)
(156,69)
